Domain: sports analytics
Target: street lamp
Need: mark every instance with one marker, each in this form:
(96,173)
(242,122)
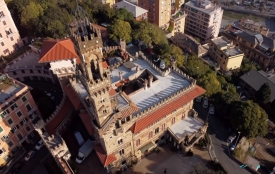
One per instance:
(237,138)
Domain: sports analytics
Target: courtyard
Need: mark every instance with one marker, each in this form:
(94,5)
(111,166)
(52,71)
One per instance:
(175,163)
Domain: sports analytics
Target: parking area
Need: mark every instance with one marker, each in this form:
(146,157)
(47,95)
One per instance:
(175,163)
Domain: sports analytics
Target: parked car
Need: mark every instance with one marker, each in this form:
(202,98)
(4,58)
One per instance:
(162,64)
(156,58)
(198,99)
(29,155)
(231,138)
(211,109)
(17,167)
(39,145)
(232,148)
(205,102)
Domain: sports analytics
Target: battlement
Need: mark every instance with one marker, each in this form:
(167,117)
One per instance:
(56,110)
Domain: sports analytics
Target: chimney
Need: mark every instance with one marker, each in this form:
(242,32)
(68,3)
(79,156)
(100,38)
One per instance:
(150,81)
(137,68)
(120,75)
(145,84)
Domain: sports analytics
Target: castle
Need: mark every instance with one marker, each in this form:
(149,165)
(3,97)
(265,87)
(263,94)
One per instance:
(130,106)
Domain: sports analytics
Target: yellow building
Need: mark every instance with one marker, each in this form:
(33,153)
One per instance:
(225,54)
(177,23)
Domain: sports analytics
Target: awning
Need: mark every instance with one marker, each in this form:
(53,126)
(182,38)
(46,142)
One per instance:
(146,147)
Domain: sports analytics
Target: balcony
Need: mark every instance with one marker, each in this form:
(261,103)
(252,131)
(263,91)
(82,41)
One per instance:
(31,111)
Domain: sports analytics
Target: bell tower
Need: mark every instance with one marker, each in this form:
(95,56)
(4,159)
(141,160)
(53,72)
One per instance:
(95,79)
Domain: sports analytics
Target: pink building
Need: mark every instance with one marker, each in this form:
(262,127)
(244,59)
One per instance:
(9,36)
(203,19)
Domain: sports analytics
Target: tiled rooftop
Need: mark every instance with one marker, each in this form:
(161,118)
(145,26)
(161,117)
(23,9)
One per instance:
(185,127)
(103,157)
(167,109)
(161,88)
(8,87)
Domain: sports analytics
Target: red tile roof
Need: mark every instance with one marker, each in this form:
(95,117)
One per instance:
(53,50)
(99,27)
(112,92)
(132,109)
(87,121)
(73,97)
(103,157)
(54,123)
(166,109)
(118,84)
(104,64)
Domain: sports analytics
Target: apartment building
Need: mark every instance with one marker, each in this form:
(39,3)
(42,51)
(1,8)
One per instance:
(9,36)
(252,26)
(17,110)
(177,22)
(225,54)
(159,11)
(203,19)
(138,12)
(257,47)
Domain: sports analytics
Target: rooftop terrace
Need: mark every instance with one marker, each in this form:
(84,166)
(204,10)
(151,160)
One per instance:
(233,51)
(202,5)
(221,42)
(161,88)
(8,87)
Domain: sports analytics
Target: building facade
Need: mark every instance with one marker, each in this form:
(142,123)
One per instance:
(9,36)
(159,12)
(18,109)
(256,47)
(225,54)
(203,19)
(138,12)
(177,22)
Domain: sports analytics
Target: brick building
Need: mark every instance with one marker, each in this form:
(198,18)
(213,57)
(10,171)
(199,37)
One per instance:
(17,110)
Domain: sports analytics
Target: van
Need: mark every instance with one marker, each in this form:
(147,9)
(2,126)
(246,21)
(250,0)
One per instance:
(79,138)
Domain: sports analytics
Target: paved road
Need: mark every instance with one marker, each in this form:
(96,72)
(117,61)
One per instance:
(218,135)
(35,162)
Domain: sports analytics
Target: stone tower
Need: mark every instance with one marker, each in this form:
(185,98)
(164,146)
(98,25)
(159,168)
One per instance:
(93,76)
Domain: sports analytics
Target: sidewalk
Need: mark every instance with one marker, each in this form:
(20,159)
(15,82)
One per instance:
(18,157)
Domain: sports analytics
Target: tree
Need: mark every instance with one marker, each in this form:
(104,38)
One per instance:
(31,13)
(212,168)
(247,66)
(210,83)
(143,33)
(195,67)
(248,118)
(120,30)
(263,94)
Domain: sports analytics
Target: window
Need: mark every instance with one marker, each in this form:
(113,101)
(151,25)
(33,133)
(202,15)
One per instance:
(14,73)
(24,121)
(8,31)
(11,38)
(15,128)
(183,116)
(24,99)
(39,71)
(173,120)
(2,151)
(31,71)
(10,143)
(138,142)
(19,113)
(163,127)
(19,136)
(28,107)
(10,121)
(121,152)
(1,35)
(28,128)
(5,113)
(14,106)
(1,129)
(102,100)
(150,134)
(120,141)
(156,130)
(6,51)
(23,71)
(2,44)
(46,72)
(4,23)
(1,14)
(5,138)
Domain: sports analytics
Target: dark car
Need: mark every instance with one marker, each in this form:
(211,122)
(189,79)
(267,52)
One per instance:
(17,167)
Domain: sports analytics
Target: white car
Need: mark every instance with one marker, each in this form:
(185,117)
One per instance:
(205,102)
(198,99)
(211,109)
(39,144)
(231,138)
(29,155)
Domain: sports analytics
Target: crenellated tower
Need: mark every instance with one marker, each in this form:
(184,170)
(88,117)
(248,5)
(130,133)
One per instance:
(93,76)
